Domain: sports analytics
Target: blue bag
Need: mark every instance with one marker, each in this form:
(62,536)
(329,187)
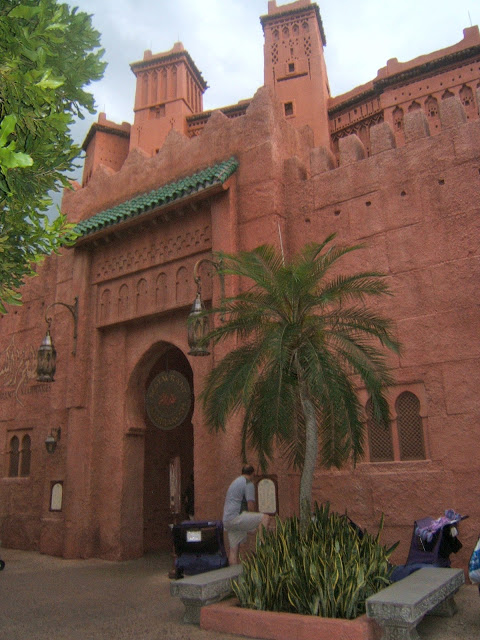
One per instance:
(474,564)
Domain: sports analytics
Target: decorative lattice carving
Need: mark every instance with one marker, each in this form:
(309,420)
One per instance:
(274,52)
(410,427)
(158,252)
(307,46)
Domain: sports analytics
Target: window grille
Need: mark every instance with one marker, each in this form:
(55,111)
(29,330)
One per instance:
(410,427)
(14,457)
(379,437)
(25,456)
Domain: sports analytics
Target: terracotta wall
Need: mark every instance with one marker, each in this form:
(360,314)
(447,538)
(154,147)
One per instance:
(416,209)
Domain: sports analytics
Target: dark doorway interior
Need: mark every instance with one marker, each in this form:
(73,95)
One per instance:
(161,448)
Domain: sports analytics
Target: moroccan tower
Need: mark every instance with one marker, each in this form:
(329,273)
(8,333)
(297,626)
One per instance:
(294,65)
(169,88)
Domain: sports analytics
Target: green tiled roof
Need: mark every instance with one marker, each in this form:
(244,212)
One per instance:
(167,194)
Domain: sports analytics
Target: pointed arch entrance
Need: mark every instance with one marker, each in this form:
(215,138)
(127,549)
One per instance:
(168,463)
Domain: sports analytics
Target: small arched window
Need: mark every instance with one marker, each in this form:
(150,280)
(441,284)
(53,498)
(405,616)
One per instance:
(25,456)
(410,427)
(431,105)
(379,437)
(14,453)
(398,118)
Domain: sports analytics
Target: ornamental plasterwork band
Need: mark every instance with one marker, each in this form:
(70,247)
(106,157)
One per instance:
(157,253)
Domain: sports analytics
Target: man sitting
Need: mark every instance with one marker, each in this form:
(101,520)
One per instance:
(238,523)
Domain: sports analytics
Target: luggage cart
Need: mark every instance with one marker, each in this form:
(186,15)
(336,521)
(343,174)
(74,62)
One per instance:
(199,547)
(433,541)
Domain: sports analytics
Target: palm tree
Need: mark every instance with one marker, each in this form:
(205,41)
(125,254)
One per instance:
(306,340)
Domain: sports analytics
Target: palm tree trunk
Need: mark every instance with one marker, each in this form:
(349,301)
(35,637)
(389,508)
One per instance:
(311,449)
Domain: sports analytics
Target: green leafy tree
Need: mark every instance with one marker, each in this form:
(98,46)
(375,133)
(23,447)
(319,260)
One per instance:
(48,53)
(306,340)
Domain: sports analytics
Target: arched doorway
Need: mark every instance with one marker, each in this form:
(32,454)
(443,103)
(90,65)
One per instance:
(168,470)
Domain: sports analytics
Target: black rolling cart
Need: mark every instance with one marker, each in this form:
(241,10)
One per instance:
(198,547)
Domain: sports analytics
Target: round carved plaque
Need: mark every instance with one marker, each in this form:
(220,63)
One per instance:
(168,400)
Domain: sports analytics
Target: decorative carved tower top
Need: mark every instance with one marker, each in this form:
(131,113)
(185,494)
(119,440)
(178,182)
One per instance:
(169,88)
(295,66)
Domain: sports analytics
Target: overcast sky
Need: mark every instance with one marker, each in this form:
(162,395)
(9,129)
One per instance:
(225,39)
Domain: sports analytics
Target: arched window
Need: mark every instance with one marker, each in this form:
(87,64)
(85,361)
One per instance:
(105,304)
(14,453)
(431,105)
(142,294)
(182,285)
(25,456)
(468,101)
(466,95)
(410,427)
(123,300)
(56,497)
(161,289)
(379,437)
(398,118)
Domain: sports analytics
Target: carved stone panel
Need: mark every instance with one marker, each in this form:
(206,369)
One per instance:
(157,245)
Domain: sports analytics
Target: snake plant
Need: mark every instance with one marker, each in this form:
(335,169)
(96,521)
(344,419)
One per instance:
(329,569)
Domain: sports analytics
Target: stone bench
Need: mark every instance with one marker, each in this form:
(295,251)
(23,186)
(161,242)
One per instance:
(401,606)
(205,588)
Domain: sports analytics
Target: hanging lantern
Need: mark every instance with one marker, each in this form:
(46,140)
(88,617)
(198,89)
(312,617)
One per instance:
(197,324)
(46,359)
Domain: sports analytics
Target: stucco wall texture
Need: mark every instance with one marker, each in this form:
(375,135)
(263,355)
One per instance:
(409,193)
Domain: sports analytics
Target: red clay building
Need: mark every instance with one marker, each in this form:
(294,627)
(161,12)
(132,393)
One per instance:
(394,164)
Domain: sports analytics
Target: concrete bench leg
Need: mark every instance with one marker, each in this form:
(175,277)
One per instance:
(193,607)
(398,631)
(192,610)
(445,609)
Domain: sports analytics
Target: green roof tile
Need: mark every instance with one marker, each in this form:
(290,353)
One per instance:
(210,176)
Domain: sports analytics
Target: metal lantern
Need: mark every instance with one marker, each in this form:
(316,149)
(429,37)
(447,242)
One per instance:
(52,439)
(46,359)
(46,355)
(198,327)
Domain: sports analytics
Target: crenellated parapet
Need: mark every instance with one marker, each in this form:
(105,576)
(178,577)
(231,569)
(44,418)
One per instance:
(416,126)
(421,84)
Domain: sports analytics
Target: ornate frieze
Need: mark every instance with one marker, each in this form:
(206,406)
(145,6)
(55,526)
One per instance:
(116,261)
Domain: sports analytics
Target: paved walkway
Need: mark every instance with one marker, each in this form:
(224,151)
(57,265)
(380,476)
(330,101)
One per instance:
(45,598)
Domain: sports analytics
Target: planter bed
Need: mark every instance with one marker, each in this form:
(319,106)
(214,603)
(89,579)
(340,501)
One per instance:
(228,617)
